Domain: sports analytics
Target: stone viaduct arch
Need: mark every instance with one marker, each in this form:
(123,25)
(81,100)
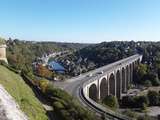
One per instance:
(112,84)
(93,92)
(103,88)
(118,84)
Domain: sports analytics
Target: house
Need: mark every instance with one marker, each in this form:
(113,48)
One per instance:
(55,66)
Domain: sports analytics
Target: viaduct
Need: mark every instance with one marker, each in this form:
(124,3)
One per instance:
(113,79)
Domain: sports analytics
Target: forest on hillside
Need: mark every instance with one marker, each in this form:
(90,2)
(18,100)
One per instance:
(21,54)
(84,57)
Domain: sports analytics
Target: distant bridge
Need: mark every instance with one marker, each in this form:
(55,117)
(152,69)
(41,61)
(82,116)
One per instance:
(113,79)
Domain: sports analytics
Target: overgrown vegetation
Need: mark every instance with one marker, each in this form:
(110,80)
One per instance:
(146,76)
(97,55)
(21,54)
(151,99)
(110,101)
(65,106)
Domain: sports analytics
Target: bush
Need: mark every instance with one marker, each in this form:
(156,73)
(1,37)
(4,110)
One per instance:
(58,105)
(154,98)
(147,83)
(111,101)
(65,115)
(66,107)
(43,84)
(135,102)
(141,101)
(153,77)
(128,101)
(145,117)
(54,92)
(130,113)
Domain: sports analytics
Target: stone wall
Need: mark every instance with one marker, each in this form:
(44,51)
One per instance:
(3,52)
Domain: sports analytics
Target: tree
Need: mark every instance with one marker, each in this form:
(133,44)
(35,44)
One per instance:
(135,101)
(44,72)
(141,101)
(140,72)
(111,101)
(43,84)
(153,77)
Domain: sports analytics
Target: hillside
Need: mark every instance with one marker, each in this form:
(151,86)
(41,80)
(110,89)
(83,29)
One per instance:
(22,93)
(96,55)
(21,54)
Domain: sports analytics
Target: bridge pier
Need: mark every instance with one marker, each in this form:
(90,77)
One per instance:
(118,84)
(123,80)
(98,90)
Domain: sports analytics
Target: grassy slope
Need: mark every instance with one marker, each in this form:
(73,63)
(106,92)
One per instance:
(24,96)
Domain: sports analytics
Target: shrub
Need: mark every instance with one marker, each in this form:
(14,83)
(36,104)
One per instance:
(66,106)
(58,105)
(130,113)
(128,101)
(43,84)
(145,117)
(144,107)
(54,92)
(135,102)
(147,83)
(153,77)
(65,115)
(111,101)
(153,97)
(140,101)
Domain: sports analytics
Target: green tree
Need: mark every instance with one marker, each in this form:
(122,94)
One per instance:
(140,101)
(111,101)
(153,77)
(140,72)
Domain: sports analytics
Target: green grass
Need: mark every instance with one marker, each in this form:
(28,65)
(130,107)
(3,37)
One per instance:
(23,94)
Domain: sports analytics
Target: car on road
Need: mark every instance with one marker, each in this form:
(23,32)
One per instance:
(89,75)
(101,72)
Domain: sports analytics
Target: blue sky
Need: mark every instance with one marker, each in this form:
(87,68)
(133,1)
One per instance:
(80,20)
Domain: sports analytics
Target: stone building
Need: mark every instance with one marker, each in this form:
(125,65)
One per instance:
(3,52)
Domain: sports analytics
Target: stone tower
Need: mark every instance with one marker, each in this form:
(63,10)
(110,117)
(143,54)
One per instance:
(3,52)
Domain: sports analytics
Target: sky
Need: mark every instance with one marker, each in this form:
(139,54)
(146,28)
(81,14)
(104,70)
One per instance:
(83,21)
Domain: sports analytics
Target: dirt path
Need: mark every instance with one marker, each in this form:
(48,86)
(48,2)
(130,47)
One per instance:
(9,107)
